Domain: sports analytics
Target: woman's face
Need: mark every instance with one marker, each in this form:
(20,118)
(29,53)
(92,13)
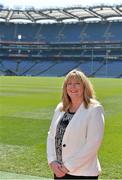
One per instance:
(74,88)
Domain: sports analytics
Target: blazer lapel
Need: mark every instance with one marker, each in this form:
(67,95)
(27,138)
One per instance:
(59,117)
(76,115)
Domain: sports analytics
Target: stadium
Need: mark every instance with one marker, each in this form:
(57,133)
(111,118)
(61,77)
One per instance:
(38,47)
(33,49)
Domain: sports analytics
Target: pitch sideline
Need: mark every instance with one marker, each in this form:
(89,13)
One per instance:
(14,176)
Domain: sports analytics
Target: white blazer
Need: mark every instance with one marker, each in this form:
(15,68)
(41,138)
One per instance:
(81,140)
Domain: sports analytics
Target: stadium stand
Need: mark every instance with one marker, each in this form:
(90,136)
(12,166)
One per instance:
(38,49)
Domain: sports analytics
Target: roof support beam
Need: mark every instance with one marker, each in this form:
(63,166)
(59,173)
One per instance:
(47,16)
(117,11)
(29,16)
(70,14)
(92,12)
(9,15)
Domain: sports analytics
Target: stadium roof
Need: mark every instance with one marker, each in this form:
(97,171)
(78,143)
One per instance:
(32,15)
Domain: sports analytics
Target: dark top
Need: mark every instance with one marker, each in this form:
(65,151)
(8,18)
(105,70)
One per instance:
(61,127)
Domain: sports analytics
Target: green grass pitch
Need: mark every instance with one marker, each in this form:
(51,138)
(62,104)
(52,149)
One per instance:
(26,109)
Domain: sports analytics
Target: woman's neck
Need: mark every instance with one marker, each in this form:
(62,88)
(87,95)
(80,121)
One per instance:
(75,105)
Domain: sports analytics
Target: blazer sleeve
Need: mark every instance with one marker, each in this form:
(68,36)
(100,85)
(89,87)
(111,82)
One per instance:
(95,130)
(51,154)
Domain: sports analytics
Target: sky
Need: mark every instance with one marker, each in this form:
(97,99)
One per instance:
(56,3)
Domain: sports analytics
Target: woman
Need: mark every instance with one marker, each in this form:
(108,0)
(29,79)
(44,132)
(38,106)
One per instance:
(76,131)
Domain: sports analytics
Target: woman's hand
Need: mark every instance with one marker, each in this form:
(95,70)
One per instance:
(64,169)
(58,169)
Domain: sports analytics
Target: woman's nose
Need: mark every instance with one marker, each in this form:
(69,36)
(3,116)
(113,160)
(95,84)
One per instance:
(73,85)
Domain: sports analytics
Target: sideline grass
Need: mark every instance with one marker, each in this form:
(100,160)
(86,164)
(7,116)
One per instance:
(14,176)
(26,108)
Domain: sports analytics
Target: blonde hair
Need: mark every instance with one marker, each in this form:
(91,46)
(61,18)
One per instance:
(88,90)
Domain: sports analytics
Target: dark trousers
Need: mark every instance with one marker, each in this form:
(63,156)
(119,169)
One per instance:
(68,176)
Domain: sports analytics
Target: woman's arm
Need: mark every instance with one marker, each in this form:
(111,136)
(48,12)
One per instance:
(51,154)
